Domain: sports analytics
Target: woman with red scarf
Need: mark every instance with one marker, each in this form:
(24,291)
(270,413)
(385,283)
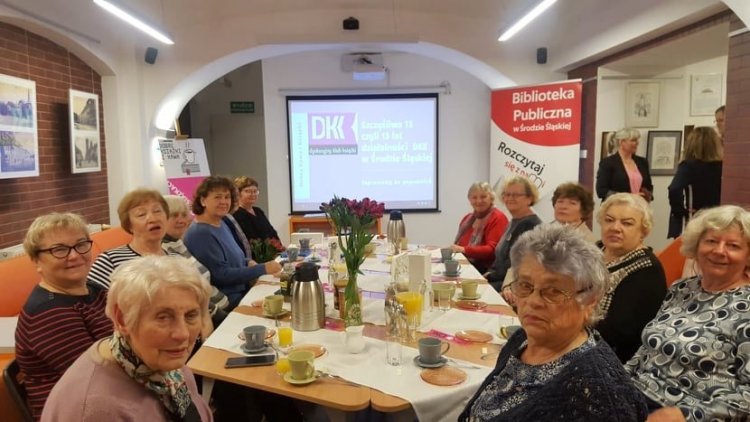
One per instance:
(481,229)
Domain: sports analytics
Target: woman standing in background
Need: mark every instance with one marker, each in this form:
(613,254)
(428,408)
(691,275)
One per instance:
(697,183)
(624,171)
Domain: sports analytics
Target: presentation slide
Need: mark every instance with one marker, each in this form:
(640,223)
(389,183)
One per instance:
(383,147)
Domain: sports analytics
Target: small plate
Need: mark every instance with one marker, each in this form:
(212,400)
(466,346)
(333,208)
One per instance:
(475,297)
(253,351)
(472,305)
(475,336)
(443,377)
(316,349)
(288,378)
(270,332)
(451,275)
(280,314)
(437,364)
(257,303)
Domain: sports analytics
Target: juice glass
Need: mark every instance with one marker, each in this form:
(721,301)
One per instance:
(282,366)
(285,336)
(412,303)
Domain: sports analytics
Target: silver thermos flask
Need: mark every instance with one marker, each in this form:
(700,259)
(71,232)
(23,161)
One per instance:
(396,230)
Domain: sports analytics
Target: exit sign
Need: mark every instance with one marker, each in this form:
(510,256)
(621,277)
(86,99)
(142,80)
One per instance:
(242,106)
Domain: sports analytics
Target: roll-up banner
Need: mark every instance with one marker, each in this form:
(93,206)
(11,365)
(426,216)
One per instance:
(185,165)
(536,133)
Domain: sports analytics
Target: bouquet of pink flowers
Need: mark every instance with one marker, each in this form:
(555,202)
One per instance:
(353,221)
(264,250)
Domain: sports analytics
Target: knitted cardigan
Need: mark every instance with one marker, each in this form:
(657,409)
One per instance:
(592,387)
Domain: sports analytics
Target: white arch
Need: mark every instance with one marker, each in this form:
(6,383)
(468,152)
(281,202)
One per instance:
(170,107)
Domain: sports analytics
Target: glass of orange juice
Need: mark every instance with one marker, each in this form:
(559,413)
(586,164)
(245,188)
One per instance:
(282,366)
(285,336)
(412,303)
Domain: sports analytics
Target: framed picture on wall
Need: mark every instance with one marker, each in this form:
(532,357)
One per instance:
(19,148)
(609,145)
(85,152)
(663,152)
(642,104)
(705,94)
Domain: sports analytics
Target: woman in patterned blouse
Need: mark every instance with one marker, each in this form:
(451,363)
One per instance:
(695,357)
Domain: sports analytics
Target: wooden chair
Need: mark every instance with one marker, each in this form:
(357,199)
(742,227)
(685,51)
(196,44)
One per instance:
(672,261)
(16,389)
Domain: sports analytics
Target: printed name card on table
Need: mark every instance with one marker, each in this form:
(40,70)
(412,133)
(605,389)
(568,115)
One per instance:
(420,269)
(400,268)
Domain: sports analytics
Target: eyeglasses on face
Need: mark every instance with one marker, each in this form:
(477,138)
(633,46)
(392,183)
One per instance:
(551,295)
(62,251)
(512,195)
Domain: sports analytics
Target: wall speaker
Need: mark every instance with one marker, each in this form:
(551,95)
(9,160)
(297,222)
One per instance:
(541,55)
(151,53)
(351,24)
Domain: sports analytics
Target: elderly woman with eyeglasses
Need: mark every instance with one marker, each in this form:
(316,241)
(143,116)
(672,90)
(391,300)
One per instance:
(252,219)
(157,305)
(637,283)
(64,314)
(518,195)
(556,367)
(694,363)
(480,230)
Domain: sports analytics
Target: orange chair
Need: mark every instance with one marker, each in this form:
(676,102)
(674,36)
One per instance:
(672,261)
(110,238)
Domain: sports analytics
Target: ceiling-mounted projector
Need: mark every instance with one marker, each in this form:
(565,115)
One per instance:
(364,66)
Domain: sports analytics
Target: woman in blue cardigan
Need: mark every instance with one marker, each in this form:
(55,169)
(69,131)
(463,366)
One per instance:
(213,240)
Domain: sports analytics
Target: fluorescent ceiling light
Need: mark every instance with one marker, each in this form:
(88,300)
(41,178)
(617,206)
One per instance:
(536,11)
(128,17)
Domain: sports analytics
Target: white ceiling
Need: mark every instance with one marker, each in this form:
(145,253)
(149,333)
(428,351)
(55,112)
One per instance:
(574,31)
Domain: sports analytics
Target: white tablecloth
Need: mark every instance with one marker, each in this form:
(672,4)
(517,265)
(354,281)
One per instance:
(430,403)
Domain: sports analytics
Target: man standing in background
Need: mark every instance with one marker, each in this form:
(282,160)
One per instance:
(720,120)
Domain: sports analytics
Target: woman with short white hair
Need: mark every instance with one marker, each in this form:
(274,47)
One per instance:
(556,367)
(624,171)
(158,306)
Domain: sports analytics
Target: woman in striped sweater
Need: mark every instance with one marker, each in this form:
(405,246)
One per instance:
(64,314)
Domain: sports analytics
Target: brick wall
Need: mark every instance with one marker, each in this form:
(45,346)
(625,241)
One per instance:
(735,184)
(55,70)
(588,73)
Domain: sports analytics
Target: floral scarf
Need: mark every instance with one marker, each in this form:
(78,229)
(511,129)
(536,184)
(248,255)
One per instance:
(478,235)
(169,387)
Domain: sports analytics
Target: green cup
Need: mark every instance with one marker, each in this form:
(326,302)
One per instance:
(302,364)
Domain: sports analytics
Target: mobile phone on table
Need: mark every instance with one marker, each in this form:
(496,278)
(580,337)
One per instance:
(256,360)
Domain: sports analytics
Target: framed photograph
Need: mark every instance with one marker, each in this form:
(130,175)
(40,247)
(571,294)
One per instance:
(663,151)
(609,145)
(85,153)
(705,94)
(642,104)
(19,148)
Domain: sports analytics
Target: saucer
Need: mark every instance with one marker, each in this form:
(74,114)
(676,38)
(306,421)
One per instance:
(288,378)
(475,297)
(444,377)
(438,364)
(447,274)
(280,314)
(316,349)
(252,351)
(474,305)
(475,336)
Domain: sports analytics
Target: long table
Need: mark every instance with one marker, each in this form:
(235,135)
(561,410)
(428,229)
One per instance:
(329,392)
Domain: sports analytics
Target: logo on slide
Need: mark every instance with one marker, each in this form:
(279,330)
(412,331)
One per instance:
(332,133)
